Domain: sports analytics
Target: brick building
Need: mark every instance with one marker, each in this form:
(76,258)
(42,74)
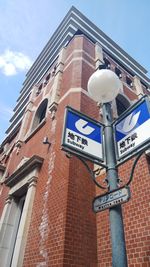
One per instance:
(46,197)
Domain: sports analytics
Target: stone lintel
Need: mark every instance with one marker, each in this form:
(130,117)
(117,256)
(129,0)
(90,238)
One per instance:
(26,168)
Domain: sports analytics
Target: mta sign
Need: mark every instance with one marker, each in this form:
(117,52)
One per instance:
(132,129)
(82,136)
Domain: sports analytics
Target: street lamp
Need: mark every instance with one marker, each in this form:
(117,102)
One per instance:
(103,87)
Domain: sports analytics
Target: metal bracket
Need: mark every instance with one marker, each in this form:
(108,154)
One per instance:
(133,167)
(92,173)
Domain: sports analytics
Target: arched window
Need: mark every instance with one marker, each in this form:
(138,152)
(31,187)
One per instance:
(47,78)
(106,64)
(129,81)
(40,114)
(122,104)
(118,72)
(39,89)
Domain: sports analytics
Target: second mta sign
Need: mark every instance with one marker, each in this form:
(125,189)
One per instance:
(132,129)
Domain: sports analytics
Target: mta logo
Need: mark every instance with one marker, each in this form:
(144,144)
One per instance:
(83,127)
(130,122)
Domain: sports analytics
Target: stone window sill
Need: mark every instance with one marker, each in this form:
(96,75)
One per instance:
(35,130)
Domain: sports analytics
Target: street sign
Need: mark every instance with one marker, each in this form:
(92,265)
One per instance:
(82,136)
(132,129)
(111,199)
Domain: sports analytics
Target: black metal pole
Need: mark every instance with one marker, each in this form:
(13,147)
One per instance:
(119,256)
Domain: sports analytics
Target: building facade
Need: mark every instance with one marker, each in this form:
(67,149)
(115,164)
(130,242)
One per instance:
(46,195)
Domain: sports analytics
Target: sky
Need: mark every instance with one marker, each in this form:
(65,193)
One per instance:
(26,27)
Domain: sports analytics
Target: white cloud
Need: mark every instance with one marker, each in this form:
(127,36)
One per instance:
(12,62)
(5,112)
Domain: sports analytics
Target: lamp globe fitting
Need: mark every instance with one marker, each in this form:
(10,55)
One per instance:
(104,85)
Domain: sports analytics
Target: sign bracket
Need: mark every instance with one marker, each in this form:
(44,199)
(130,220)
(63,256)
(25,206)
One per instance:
(133,167)
(91,172)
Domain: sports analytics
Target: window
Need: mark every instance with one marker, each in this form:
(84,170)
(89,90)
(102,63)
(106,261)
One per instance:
(40,114)
(17,213)
(129,81)
(54,70)
(122,104)
(47,79)
(118,72)
(106,64)
(16,216)
(2,169)
(39,89)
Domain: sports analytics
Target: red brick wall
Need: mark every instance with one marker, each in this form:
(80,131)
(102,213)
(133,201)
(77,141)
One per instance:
(136,218)
(136,214)
(70,236)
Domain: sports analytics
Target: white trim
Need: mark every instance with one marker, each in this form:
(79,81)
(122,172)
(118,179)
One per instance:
(20,244)
(34,111)
(105,41)
(38,69)
(79,51)
(63,33)
(72,91)
(10,217)
(79,59)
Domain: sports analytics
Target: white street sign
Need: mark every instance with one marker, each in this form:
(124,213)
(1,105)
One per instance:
(132,131)
(82,136)
(111,199)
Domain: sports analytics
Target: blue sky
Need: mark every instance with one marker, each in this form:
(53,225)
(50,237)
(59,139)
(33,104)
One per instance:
(26,26)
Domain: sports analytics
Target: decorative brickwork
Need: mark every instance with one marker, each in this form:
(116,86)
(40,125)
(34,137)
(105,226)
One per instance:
(63,230)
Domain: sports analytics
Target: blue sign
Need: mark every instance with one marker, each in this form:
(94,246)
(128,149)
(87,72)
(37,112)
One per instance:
(82,135)
(132,130)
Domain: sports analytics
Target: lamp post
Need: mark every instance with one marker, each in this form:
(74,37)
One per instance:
(103,87)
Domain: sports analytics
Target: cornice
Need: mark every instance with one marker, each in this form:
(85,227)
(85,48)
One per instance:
(34,162)
(70,25)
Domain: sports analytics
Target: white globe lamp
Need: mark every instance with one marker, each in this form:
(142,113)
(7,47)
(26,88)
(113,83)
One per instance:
(104,85)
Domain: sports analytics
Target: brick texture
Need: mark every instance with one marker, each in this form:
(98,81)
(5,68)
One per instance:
(64,231)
